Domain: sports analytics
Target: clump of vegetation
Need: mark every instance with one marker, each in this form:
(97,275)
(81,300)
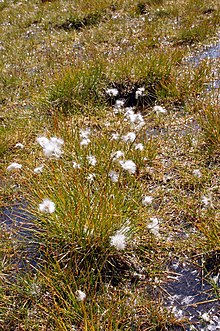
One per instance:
(110,162)
(209,119)
(77,91)
(85,88)
(79,23)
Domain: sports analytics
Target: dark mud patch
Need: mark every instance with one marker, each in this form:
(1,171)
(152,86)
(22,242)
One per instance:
(76,23)
(18,223)
(137,95)
(192,296)
(142,6)
(212,262)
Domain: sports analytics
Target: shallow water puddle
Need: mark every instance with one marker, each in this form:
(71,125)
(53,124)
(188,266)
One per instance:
(19,224)
(189,295)
(211,53)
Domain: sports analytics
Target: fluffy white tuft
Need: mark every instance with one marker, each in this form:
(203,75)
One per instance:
(19,145)
(112,92)
(120,237)
(51,147)
(91,160)
(117,155)
(197,173)
(147,200)
(159,110)
(47,206)
(154,226)
(113,175)
(129,137)
(118,241)
(13,166)
(80,295)
(39,169)
(129,166)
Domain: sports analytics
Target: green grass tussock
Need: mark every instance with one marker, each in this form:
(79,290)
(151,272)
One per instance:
(84,89)
(77,90)
(79,23)
(110,138)
(210,123)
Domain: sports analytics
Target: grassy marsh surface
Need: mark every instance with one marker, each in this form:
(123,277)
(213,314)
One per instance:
(110,140)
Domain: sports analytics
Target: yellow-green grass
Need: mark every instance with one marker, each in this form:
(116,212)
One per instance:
(59,59)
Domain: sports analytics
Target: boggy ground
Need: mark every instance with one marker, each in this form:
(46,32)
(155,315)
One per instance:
(110,164)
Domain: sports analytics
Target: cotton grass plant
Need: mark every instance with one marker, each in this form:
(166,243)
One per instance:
(111,140)
(93,211)
(87,229)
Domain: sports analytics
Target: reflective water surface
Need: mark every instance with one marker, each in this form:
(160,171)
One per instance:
(20,225)
(190,294)
(211,53)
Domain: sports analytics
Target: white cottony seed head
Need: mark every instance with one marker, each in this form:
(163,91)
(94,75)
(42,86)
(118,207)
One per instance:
(205,317)
(128,165)
(76,165)
(80,295)
(118,241)
(206,200)
(197,173)
(19,145)
(13,166)
(51,147)
(115,136)
(139,92)
(154,226)
(39,169)
(113,175)
(159,110)
(147,200)
(129,137)
(117,155)
(139,147)
(119,103)
(47,206)
(91,177)
(85,142)
(112,92)
(91,160)
(84,134)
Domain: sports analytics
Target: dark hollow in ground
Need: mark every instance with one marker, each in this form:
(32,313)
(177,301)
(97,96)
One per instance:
(19,223)
(76,23)
(190,294)
(127,93)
